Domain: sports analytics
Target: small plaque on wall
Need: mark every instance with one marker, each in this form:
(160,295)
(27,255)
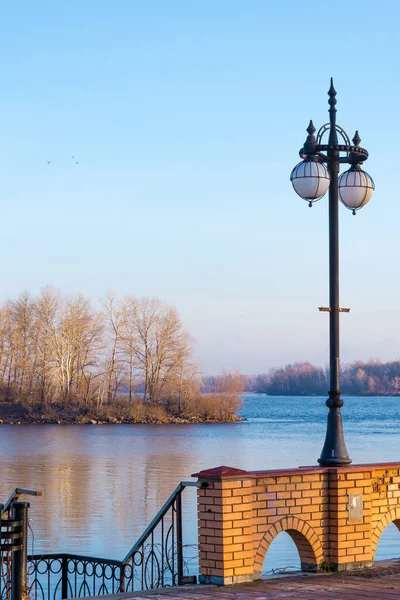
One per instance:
(355,507)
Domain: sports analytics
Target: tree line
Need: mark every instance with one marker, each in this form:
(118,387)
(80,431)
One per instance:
(58,353)
(358,378)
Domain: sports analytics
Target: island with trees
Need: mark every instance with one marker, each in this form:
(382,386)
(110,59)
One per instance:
(129,361)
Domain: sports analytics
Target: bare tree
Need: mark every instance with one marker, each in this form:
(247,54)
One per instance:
(7,349)
(229,389)
(129,341)
(22,315)
(48,308)
(67,344)
(182,390)
(161,343)
(115,316)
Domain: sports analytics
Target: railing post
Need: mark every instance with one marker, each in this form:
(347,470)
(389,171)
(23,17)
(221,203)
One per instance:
(19,557)
(122,578)
(64,577)
(179,538)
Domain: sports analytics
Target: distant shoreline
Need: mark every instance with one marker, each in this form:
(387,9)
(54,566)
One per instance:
(313,395)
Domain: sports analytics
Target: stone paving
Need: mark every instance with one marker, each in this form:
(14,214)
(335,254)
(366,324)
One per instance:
(379,583)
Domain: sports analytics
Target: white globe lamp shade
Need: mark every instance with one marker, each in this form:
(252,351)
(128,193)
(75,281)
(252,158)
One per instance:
(355,188)
(310,179)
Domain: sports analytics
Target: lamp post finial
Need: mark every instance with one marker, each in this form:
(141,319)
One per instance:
(311,129)
(356,139)
(332,95)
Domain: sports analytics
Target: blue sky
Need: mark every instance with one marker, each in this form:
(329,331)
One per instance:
(186,119)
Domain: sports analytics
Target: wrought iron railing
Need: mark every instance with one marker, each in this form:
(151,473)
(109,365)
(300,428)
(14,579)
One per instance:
(156,560)
(56,576)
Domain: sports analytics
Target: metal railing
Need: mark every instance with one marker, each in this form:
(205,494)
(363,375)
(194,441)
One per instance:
(156,560)
(56,576)
(14,545)
(15,496)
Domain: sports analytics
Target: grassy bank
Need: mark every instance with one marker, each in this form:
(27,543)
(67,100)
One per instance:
(209,411)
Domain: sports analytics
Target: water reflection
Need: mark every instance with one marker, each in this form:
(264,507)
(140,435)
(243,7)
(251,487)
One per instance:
(103,484)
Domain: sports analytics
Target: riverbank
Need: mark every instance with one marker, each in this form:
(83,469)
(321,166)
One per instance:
(114,415)
(42,420)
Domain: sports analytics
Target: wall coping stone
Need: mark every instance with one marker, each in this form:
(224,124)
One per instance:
(224,472)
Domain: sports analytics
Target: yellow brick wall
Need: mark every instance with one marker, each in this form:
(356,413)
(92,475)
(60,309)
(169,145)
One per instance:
(240,513)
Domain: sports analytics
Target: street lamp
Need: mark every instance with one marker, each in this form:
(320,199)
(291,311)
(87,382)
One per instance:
(311,179)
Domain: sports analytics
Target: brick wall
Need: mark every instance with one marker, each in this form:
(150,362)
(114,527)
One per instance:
(333,515)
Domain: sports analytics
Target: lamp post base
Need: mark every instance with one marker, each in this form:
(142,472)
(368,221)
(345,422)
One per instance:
(334,453)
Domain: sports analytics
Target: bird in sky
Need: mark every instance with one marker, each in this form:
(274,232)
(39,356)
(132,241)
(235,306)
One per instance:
(48,161)
(76,162)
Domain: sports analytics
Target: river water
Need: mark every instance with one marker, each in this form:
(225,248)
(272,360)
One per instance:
(103,484)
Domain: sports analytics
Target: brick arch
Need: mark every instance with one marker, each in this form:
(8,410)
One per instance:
(392,516)
(306,540)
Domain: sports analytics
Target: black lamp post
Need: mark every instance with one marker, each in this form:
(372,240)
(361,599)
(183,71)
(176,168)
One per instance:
(311,179)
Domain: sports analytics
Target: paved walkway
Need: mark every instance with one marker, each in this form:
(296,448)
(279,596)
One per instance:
(379,583)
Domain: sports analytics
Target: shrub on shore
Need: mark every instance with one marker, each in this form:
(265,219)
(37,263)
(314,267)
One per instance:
(221,406)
